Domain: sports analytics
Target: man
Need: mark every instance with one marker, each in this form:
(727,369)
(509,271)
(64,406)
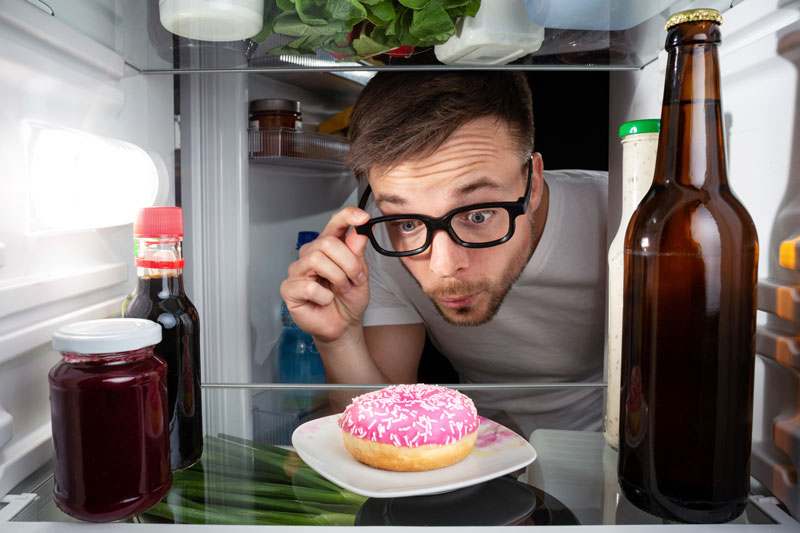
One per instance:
(468,239)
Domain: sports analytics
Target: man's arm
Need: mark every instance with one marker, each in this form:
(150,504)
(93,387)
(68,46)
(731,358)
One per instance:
(376,354)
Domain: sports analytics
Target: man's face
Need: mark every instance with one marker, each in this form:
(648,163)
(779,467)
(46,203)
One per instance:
(480,162)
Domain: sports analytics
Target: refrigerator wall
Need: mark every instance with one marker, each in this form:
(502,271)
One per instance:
(76,124)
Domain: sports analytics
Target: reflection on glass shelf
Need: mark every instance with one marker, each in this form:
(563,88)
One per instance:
(251,477)
(297,147)
(603,34)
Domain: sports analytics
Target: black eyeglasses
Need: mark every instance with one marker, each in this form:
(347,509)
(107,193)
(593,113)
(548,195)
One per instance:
(472,226)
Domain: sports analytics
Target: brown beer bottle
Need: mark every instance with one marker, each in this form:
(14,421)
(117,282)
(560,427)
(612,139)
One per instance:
(691,255)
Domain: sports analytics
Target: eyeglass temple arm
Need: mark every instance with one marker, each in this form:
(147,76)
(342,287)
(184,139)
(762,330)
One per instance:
(527,197)
(362,203)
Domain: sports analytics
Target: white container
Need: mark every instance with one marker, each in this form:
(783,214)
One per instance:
(639,145)
(594,14)
(500,33)
(212,20)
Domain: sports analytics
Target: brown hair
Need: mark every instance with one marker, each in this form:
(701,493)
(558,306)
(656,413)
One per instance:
(405,115)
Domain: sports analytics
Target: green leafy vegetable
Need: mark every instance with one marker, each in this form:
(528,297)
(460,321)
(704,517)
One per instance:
(241,482)
(363,28)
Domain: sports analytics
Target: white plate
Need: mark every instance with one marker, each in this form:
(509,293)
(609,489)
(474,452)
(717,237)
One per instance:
(498,451)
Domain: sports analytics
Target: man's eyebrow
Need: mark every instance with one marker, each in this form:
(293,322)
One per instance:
(389,199)
(480,183)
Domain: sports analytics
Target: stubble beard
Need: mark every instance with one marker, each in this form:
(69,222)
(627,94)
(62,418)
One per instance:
(497,291)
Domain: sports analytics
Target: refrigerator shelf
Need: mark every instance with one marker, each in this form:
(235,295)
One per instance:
(782,301)
(784,349)
(576,469)
(297,148)
(603,35)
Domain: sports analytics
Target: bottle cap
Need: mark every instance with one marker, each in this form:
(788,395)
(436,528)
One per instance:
(274,104)
(645,125)
(107,336)
(159,222)
(694,15)
(305,237)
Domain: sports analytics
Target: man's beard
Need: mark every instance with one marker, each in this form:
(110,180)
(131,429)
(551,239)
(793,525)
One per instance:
(497,292)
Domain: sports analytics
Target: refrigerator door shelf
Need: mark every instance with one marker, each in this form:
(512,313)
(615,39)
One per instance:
(6,431)
(14,504)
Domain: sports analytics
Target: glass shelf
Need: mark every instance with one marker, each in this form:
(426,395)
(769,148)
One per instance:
(301,149)
(149,47)
(260,480)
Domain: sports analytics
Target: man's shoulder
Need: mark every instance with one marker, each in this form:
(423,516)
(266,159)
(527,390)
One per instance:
(588,188)
(588,180)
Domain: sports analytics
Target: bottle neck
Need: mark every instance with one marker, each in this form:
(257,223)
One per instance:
(160,260)
(691,149)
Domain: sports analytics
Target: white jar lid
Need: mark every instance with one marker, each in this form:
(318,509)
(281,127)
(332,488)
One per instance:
(109,335)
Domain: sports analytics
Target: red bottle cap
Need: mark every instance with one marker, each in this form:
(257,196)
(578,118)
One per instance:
(159,222)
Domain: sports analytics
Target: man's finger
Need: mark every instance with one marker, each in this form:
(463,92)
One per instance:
(297,292)
(317,264)
(357,243)
(339,223)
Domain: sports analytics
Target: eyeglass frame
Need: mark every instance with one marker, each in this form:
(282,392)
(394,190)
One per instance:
(443,223)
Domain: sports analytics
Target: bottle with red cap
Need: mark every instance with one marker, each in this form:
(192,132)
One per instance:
(160,297)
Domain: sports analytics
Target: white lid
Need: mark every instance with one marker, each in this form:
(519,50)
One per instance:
(109,335)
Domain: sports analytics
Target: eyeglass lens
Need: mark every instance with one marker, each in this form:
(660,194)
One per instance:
(476,226)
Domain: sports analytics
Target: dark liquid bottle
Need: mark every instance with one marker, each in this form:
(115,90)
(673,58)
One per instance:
(160,297)
(691,255)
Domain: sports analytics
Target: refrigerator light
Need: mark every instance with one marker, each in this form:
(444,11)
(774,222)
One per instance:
(85,181)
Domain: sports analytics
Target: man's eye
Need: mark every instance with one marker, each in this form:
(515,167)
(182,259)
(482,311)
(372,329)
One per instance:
(407,226)
(479,217)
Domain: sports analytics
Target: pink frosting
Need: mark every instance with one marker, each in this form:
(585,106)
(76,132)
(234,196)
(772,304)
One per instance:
(411,416)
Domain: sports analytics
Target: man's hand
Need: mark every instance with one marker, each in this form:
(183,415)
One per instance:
(327,289)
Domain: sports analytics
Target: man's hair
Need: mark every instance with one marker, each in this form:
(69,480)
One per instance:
(408,115)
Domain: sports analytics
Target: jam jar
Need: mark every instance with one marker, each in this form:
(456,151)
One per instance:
(274,123)
(108,398)
(268,113)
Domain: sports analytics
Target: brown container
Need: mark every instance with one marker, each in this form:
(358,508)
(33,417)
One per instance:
(274,114)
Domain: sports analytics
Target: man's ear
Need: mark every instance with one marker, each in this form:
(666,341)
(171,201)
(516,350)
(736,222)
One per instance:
(537,181)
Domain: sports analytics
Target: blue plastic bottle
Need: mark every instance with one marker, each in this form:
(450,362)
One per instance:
(298,358)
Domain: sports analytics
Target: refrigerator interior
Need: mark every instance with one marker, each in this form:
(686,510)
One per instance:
(101,74)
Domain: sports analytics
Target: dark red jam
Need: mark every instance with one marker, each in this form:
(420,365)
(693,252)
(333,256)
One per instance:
(111,434)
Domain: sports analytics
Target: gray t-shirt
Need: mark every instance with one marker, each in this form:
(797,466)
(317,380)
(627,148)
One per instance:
(550,327)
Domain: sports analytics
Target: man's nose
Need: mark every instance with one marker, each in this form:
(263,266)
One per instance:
(447,257)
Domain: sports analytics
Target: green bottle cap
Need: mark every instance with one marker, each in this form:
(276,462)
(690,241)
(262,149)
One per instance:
(645,125)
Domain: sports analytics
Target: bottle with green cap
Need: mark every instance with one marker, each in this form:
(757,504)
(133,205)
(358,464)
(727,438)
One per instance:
(639,144)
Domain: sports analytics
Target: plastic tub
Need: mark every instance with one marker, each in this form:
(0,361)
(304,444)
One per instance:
(212,20)
(498,34)
(609,15)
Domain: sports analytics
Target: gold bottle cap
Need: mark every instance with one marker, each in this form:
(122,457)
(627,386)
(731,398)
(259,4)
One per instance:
(694,15)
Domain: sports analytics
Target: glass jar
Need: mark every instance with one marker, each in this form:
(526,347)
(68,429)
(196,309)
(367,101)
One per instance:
(276,113)
(108,398)
(273,123)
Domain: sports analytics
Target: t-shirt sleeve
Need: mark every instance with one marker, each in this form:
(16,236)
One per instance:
(385,307)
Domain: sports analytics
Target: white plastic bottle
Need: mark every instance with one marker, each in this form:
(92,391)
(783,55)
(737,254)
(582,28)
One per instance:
(212,20)
(639,144)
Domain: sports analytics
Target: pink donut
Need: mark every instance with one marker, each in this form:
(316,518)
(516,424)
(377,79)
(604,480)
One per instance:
(410,427)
